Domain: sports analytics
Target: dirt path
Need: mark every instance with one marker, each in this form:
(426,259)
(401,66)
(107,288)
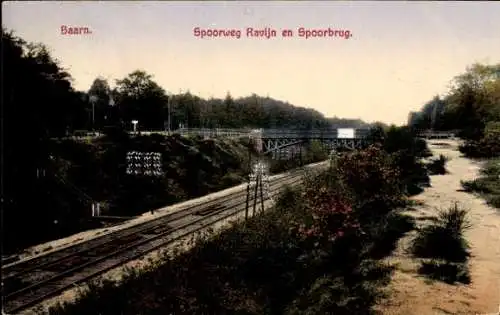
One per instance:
(411,294)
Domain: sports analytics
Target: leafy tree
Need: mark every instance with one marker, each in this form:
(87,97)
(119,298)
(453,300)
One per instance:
(141,98)
(100,96)
(39,103)
(472,104)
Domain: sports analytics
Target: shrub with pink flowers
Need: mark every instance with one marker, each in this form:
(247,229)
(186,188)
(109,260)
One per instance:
(371,176)
(328,217)
(337,202)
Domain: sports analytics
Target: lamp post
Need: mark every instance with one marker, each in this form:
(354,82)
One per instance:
(93,99)
(134,122)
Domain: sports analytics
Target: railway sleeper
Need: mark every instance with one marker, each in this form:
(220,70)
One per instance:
(13,284)
(156,231)
(107,249)
(127,239)
(68,263)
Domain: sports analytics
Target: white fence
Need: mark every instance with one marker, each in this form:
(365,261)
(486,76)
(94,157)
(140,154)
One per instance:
(213,133)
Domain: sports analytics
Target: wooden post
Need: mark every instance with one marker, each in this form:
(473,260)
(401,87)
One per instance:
(248,198)
(249,181)
(261,195)
(300,155)
(255,194)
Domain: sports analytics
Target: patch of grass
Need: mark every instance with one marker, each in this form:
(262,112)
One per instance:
(388,232)
(341,295)
(427,218)
(446,271)
(444,239)
(414,203)
(488,184)
(484,148)
(438,166)
(443,242)
(494,201)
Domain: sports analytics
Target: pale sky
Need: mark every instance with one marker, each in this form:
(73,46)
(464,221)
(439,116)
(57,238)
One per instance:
(399,56)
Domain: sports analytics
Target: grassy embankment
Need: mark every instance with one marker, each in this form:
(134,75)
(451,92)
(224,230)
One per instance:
(192,167)
(95,169)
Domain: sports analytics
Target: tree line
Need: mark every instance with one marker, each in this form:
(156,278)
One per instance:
(53,105)
(471,106)
(139,97)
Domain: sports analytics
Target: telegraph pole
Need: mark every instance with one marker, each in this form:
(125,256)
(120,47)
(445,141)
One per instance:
(249,181)
(261,191)
(255,193)
(300,155)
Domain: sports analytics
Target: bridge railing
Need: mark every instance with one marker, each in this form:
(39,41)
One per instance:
(213,133)
(429,134)
(266,133)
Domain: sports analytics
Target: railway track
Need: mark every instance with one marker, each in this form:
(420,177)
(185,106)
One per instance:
(29,282)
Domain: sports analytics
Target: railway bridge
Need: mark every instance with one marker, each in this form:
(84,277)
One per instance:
(279,142)
(287,142)
(431,134)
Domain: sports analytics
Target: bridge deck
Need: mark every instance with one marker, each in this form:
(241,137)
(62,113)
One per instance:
(311,134)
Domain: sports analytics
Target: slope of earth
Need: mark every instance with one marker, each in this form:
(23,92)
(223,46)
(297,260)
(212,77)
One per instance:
(411,294)
(82,173)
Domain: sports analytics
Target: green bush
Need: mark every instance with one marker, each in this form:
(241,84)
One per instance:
(406,151)
(413,173)
(370,179)
(494,201)
(444,238)
(488,146)
(480,149)
(438,166)
(231,179)
(488,184)
(446,271)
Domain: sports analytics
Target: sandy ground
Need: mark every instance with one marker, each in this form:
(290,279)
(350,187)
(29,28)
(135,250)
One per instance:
(48,247)
(411,294)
